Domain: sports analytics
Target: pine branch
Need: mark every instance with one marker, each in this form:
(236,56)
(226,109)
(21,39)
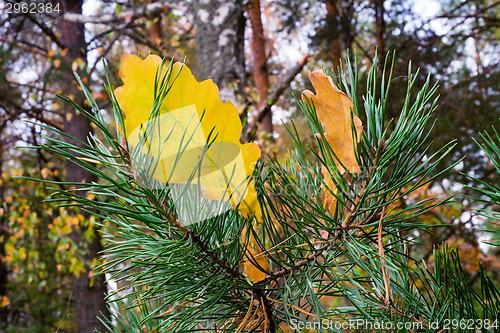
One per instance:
(188,278)
(298,265)
(213,256)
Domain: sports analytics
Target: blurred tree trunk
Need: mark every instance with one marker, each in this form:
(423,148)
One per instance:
(220,29)
(155,31)
(333,31)
(88,295)
(7,95)
(4,235)
(380,29)
(260,71)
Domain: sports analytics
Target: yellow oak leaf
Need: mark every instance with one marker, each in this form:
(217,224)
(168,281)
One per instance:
(334,109)
(219,123)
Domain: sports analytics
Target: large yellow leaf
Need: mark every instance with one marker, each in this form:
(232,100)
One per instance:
(334,109)
(218,120)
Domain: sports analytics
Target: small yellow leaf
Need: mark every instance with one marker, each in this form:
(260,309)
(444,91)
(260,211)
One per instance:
(254,251)
(69,116)
(22,253)
(9,248)
(334,109)
(45,172)
(72,221)
(4,302)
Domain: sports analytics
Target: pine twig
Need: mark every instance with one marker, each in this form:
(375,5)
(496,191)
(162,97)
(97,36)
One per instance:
(299,264)
(223,264)
(382,260)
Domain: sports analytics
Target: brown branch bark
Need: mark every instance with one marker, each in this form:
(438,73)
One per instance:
(333,33)
(155,31)
(260,71)
(380,29)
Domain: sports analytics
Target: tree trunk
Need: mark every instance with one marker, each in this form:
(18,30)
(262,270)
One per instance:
(4,235)
(89,300)
(333,32)
(260,71)
(380,29)
(155,31)
(220,29)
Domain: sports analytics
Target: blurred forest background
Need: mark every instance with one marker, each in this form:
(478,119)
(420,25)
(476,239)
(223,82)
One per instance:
(259,52)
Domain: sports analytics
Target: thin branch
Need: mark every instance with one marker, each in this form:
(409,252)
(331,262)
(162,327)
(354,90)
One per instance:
(385,273)
(295,307)
(127,15)
(47,31)
(274,96)
(24,45)
(141,39)
(213,256)
(289,269)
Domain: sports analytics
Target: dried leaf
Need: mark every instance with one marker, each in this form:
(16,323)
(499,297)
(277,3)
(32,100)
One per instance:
(334,108)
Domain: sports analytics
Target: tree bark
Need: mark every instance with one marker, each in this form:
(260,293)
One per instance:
(155,31)
(4,273)
(89,300)
(333,32)
(220,29)
(260,70)
(380,29)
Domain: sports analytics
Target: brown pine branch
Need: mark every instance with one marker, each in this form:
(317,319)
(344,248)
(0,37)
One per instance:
(213,256)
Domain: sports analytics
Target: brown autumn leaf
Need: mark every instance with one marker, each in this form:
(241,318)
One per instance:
(333,108)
